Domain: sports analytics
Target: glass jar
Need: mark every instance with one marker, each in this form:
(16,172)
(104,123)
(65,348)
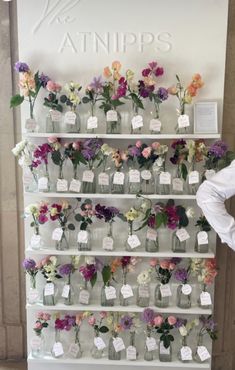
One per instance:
(36,242)
(204,298)
(72,121)
(202,242)
(31,124)
(49,294)
(53,120)
(75,184)
(132,241)
(187,351)
(104,301)
(183,124)
(137,121)
(147,182)
(201,347)
(33,294)
(143,295)
(132,348)
(88,181)
(30,180)
(84,293)
(84,240)
(77,343)
(62,184)
(63,243)
(108,241)
(159,300)
(113,122)
(177,245)
(165,354)
(44,184)
(95,351)
(112,354)
(183,300)
(92,120)
(155,125)
(38,345)
(148,355)
(178,183)
(118,182)
(104,179)
(68,293)
(151,242)
(134,178)
(123,301)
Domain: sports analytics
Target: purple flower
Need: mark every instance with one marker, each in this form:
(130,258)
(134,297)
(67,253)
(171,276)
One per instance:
(21,67)
(43,80)
(29,264)
(162,93)
(88,271)
(146,72)
(69,321)
(181,275)
(99,264)
(218,149)
(144,90)
(180,322)
(134,151)
(180,143)
(125,261)
(97,85)
(106,213)
(59,324)
(151,221)
(153,65)
(66,269)
(159,71)
(41,153)
(91,148)
(147,315)
(176,260)
(126,322)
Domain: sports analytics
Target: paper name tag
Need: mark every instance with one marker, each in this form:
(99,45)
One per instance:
(27,178)
(58,349)
(70,118)
(151,344)
(118,344)
(193,177)
(127,291)
(82,237)
(202,238)
(36,343)
(108,243)
(186,353)
(88,176)
(137,122)
(133,241)
(144,291)
(151,234)
(178,184)
(155,125)
(84,297)
(165,178)
(92,122)
(165,290)
(110,292)
(118,178)
(75,186)
(186,289)
(103,179)
(33,296)
(205,299)
(55,115)
(42,183)
(111,116)
(66,290)
(163,349)
(74,350)
(35,241)
(183,121)
(209,174)
(131,353)
(203,353)
(146,175)
(30,124)
(99,343)
(49,289)
(182,235)
(57,234)
(62,185)
(134,176)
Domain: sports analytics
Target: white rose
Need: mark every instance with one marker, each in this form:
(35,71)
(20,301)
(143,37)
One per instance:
(144,277)
(183,331)
(90,260)
(25,161)
(159,162)
(53,260)
(190,212)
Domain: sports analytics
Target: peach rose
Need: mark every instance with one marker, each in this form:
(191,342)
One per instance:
(146,152)
(153,262)
(138,143)
(171,320)
(107,73)
(158,320)
(155,145)
(164,264)
(91,320)
(172,90)
(116,65)
(171,266)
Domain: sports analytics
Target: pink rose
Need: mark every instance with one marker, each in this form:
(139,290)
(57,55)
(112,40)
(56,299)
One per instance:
(138,143)
(124,156)
(57,87)
(171,320)
(103,314)
(52,140)
(46,316)
(171,266)
(158,320)
(53,87)
(155,145)
(76,145)
(40,315)
(146,152)
(91,320)
(38,325)
(164,264)
(66,145)
(134,261)
(153,262)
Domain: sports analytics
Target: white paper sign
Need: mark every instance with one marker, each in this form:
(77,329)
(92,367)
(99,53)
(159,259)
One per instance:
(99,343)
(203,353)
(183,121)
(55,115)
(131,353)
(27,177)
(88,176)
(36,343)
(70,118)
(163,349)
(110,292)
(127,291)
(57,234)
(186,289)
(165,178)
(58,349)
(118,344)
(30,124)
(151,234)
(103,179)
(33,296)
(111,116)
(133,241)
(186,353)
(165,290)
(151,344)
(193,177)
(66,290)
(42,183)
(209,174)
(134,176)
(62,185)
(182,234)
(144,291)
(118,178)
(155,125)
(82,237)
(84,297)
(178,184)
(92,122)
(146,175)
(49,289)
(35,241)
(75,186)
(205,299)
(74,350)
(108,243)
(137,122)
(202,238)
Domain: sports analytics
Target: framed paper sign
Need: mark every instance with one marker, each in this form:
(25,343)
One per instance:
(205,118)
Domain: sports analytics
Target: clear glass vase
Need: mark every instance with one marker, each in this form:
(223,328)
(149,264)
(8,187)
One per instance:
(108,240)
(183,300)
(147,182)
(123,301)
(112,354)
(68,293)
(84,294)
(104,301)
(44,183)
(49,294)
(200,346)
(178,183)
(148,355)
(177,245)
(204,298)
(103,183)
(72,122)
(201,242)
(63,243)
(33,295)
(132,241)
(62,184)
(92,120)
(76,350)
(75,184)
(185,352)
(57,349)
(88,182)
(162,187)
(30,180)
(132,350)
(155,125)
(137,121)
(165,354)
(113,122)
(152,241)
(183,124)
(159,300)
(38,345)
(85,240)
(36,242)
(118,182)
(143,295)
(134,179)
(31,123)
(53,120)
(95,351)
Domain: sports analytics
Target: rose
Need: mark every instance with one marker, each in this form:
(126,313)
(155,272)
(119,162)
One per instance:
(183,331)
(38,325)
(146,152)
(52,139)
(46,316)
(158,320)
(171,266)
(171,320)
(164,264)
(91,320)
(116,65)
(155,145)
(40,315)
(138,144)
(172,90)
(107,73)
(153,262)
(103,314)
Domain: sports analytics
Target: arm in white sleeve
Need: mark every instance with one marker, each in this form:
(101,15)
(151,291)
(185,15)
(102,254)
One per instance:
(211,196)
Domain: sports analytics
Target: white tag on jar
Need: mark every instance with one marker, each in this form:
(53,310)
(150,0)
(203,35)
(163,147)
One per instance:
(178,184)
(202,238)
(137,122)
(133,241)
(103,179)
(92,122)
(30,124)
(70,118)
(209,174)
(151,344)
(58,349)
(144,291)
(62,185)
(27,177)
(110,292)
(118,178)
(55,115)
(186,289)
(134,176)
(42,183)
(84,297)
(57,234)
(193,177)
(163,349)
(82,237)
(146,175)
(203,353)
(131,353)
(118,344)
(66,290)
(165,178)
(127,291)
(111,116)
(74,350)
(108,243)
(205,299)
(35,241)
(88,176)
(33,296)
(75,186)
(49,289)
(183,121)
(182,234)
(36,343)
(99,343)
(155,125)
(186,353)
(151,234)
(165,290)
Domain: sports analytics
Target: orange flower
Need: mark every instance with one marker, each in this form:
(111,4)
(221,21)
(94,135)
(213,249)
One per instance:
(196,77)
(115,264)
(172,90)
(107,73)
(116,66)
(192,90)
(116,75)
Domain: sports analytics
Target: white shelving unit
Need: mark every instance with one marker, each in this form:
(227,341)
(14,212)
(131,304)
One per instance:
(109,196)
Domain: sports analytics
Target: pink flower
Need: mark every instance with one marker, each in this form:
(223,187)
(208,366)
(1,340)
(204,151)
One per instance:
(124,156)
(46,316)
(53,87)
(159,71)
(66,145)
(91,320)
(171,320)
(38,325)
(40,315)
(76,145)
(103,314)
(164,264)
(153,262)
(158,320)
(171,266)
(52,140)
(138,143)
(134,261)
(155,145)
(147,152)
(153,65)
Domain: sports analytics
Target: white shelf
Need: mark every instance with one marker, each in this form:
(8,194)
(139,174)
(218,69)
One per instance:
(123,136)
(105,361)
(195,310)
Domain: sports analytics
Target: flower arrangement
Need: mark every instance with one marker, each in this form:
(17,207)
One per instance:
(24,152)
(73,151)
(144,277)
(58,154)
(67,269)
(40,156)
(164,268)
(98,323)
(52,101)
(196,150)
(148,318)
(41,322)
(208,326)
(179,157)
(71,98)
(30,267)
(39,213)
(118,157)
(49,268)
(185,327)
(217,156)
(182,275)
(147,155)
(163,327)
(61,212)
(177,216)
(93,92)
(91,152)
(86,214)
(89,270)
(107,214)
(205,269)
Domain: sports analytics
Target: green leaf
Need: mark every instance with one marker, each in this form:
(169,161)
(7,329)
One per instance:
(184,171)
(63,99)
(56,157)
(79,217)
(83,226)
(93,280)
(71,227)
(85,100)
(78,157)
(106,274)
(32,224)
(104,329)
(16,100)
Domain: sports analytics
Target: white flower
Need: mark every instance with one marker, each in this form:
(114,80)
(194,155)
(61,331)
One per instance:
(190,212)
(25,161)
(75,261)
(106,149)
(159,162)
(90,260)
(53,260)
(144,277)
(183,331)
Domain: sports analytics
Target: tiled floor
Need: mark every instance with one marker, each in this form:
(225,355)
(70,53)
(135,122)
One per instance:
(10,365)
